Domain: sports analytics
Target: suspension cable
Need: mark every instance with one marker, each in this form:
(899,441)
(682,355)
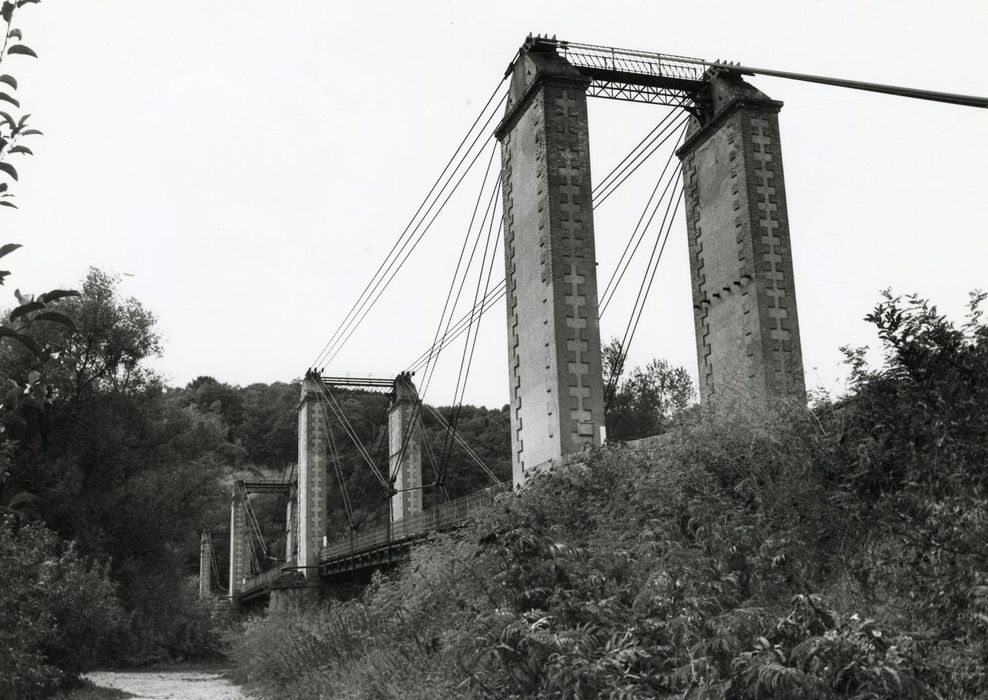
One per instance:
(493,296)
(430,365)
(667,133)
(402,255)
(463,443)
(643,291)
(432,190)
(331,403)
(618,274)
(500,290)
(334,456)
(466,358)
(633,154)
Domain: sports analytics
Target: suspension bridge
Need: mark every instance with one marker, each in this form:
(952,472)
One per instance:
(538,205)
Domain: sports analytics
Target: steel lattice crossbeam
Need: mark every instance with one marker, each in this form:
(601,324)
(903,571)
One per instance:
(628,74)
(368,385)
(267,487)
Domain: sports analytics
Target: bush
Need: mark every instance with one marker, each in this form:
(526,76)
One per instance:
(825,553)
(60,615)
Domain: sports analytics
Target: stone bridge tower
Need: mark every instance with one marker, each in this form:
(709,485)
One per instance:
(744,299)
(557,392)
(747,330)
(405,447)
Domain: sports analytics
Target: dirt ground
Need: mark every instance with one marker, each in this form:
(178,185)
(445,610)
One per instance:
(153,685)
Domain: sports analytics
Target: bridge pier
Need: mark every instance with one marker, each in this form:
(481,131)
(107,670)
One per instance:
(554,362)
(238,542)
(744,300)
(405,447)
(312,463)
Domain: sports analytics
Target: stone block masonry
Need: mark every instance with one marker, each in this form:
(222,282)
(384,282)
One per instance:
(557,397)
(744,300)
(405,447)
(313,458)
(238,541)
(205,567)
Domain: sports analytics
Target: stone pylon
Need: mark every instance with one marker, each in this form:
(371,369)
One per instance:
(238,540)
(405,448)
(744,296)
(312,463)
(205,566)
(291,528)
(554,362)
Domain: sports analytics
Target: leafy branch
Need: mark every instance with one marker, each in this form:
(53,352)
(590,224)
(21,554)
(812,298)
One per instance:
(12,129)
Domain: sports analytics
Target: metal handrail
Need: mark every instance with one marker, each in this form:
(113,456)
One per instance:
(262,579)
(439,518)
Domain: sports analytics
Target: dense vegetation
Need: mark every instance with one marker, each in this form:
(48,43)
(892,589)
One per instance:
(836,551)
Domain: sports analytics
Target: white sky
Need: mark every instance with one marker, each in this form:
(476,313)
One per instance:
(249,164)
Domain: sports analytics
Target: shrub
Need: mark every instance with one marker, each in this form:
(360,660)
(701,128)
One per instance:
(829,552)
(59,617)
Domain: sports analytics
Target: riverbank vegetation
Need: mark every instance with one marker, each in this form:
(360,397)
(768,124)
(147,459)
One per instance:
(830,552)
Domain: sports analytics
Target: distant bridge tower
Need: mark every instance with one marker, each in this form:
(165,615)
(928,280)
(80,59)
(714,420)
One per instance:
(239,543)
(205,566)
(557,390)
(311,516)
(744,299)
(405,448)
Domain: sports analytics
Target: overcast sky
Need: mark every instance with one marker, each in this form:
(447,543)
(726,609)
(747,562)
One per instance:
(246,165)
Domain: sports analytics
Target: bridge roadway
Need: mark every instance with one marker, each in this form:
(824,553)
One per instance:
(378,546)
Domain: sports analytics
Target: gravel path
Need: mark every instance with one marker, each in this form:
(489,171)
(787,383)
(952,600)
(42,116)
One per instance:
(153,685)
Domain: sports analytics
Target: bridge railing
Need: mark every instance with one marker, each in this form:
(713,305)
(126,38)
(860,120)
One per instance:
(441,517)
(261,580)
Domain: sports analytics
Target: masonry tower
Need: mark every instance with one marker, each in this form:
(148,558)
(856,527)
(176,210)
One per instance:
(557,392)
(405,446)
(747,329)
(311,515)
(744,299)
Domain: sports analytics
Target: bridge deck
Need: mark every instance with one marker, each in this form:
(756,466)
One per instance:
(388,543)
(377,546)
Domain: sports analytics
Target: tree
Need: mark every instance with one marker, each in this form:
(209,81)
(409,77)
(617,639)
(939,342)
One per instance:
(646,401)
(129,474)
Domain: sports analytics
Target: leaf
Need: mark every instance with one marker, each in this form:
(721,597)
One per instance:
(9,119)
(30,132)
(8,203)
(33,376)
(7,11)
(15,34)
(26,309)
(8,248)
(7,98)
(21,149)
(9,169)
(21,497)
(56,317)
(24,340)
(56,294)
(10,80)
(22,49)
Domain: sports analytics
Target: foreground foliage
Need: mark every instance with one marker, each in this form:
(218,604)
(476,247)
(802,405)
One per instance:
(59,611)
(830,553)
